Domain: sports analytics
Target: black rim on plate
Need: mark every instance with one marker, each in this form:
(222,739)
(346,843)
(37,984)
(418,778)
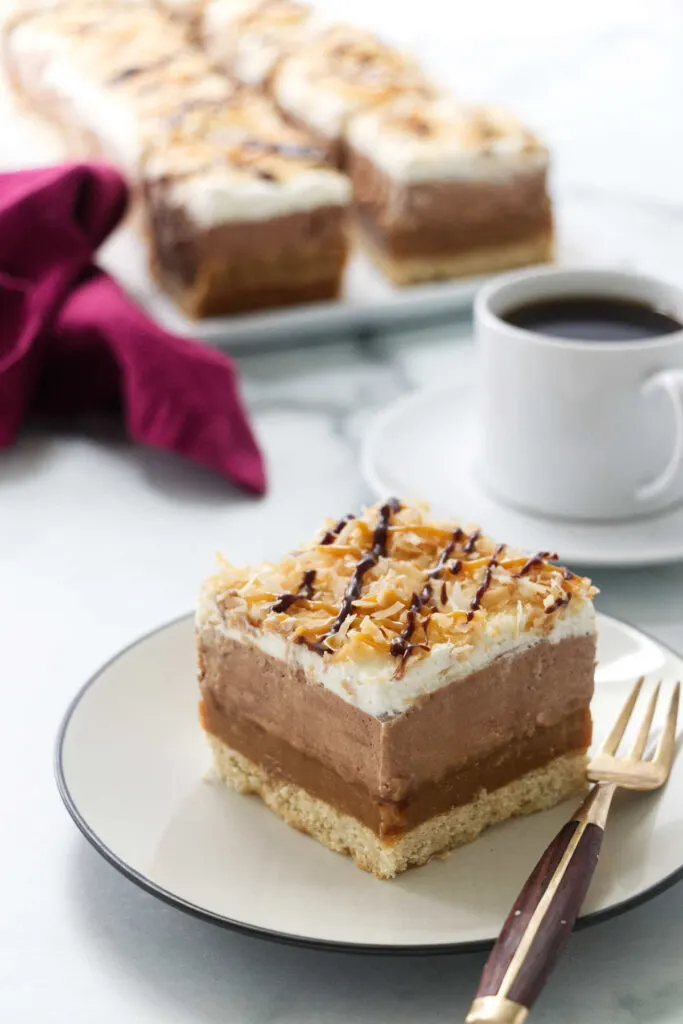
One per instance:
(287,938)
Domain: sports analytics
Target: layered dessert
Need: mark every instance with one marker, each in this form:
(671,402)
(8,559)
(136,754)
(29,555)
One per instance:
(104,74)
(443,190)
(239,208)
(243,212)
(398,684)
(340,73)
(248,39)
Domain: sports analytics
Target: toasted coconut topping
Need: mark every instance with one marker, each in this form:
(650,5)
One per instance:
(395,582)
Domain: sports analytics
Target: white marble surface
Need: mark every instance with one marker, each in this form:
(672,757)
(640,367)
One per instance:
(100,542)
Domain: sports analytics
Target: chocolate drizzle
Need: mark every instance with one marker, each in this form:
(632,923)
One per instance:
(470,544)
(401,646)
(559,602)
(176,116)
(485,583)
(285,601)
(377,550)
(422,623)
(535,560)
(127,73)
(141,69)
(331,535)
(287,150)
(446,554)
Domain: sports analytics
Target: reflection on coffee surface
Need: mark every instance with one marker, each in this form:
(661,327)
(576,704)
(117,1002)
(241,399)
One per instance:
(593,318)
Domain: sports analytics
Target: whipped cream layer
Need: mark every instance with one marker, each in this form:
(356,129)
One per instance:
(384,608)
(243,163)
(439,139)
(342,72)
(230,195)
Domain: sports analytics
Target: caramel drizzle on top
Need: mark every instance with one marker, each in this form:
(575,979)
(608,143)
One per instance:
(401,647)
(425,602)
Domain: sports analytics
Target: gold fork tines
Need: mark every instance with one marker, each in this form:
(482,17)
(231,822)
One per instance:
(538,925)
(633,771)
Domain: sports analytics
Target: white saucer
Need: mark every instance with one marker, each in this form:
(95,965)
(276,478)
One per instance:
(130,766)
(421,446)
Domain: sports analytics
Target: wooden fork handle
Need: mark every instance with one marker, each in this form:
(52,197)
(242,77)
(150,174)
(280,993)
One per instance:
(539,924)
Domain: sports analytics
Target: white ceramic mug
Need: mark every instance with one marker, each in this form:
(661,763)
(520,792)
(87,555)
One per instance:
(581,429)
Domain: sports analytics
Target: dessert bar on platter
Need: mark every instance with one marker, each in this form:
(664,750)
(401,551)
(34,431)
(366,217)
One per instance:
(240,209)
(442,190)
(249,40)
(261,139)
(339,74)
(398,684)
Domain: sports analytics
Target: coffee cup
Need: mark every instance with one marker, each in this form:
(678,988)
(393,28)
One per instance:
(588,425)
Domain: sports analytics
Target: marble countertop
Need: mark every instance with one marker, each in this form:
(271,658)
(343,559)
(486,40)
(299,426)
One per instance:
(100,542)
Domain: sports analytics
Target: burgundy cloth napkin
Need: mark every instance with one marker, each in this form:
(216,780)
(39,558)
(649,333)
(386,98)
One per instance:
(72,342)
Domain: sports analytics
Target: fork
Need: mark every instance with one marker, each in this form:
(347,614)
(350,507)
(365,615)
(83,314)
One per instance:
(538,926)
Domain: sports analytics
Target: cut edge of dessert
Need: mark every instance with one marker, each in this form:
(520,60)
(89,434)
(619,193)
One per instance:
(398,684)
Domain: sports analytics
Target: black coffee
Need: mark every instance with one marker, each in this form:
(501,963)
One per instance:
(590,318)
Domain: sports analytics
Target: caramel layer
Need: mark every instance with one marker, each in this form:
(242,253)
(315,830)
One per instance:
(392,818)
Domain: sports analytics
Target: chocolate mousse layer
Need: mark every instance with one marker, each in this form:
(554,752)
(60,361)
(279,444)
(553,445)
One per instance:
(239,266)
(480,731)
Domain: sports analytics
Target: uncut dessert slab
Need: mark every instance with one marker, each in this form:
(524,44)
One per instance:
(227,859)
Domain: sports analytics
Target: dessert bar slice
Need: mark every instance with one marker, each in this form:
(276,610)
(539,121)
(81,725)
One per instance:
(398,684)
(443,190)
(341,72)
(243,211)
(106,75)
(239,209)
(249,38)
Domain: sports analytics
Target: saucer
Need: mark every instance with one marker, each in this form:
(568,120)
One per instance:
(421,446)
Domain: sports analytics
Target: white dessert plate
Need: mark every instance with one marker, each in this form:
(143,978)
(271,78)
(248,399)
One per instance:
(131,764)
(591,228)
(396,460)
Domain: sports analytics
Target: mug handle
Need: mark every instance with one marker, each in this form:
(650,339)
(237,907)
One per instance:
(671,382)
